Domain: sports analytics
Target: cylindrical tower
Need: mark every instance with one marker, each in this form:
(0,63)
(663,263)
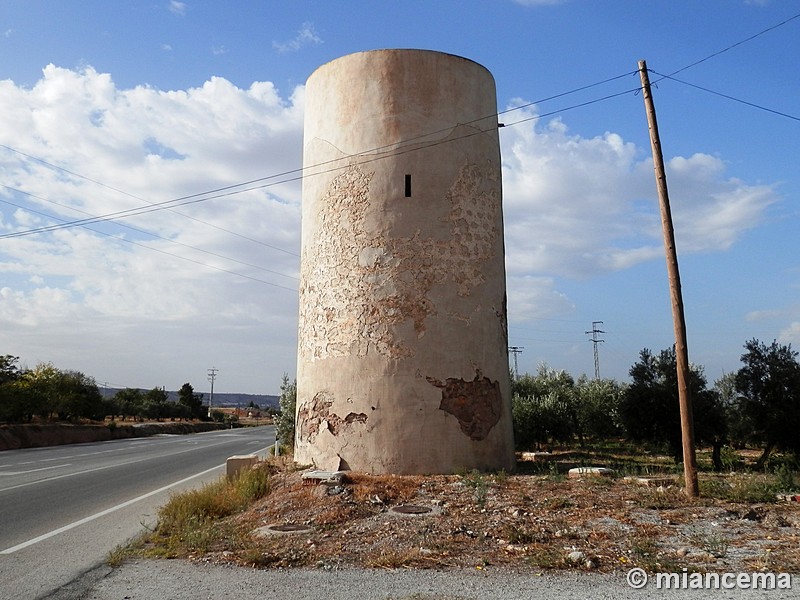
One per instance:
(402,349)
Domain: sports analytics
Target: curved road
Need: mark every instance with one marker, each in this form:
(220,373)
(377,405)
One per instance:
(64,508)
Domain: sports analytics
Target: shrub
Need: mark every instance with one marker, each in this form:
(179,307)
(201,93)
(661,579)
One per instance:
(191,520)
(284,421)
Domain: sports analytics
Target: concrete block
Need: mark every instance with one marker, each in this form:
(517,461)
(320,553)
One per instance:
(650,481)
(236,463)
(326,477)
(788,497)
(590,472)
(535,456)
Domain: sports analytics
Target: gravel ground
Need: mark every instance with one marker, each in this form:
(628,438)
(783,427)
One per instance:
(184,580)
(492,537)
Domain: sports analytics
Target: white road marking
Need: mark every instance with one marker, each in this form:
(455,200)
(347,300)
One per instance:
(108,511)
(34,470)
(103,513)
(122,464)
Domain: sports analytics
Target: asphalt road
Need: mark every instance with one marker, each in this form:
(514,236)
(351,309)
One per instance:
(182,580)
(64,508)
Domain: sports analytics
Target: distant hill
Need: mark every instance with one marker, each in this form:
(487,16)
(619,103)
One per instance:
(220,398)
(237,400)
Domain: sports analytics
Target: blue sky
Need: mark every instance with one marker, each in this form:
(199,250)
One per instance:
(109,106)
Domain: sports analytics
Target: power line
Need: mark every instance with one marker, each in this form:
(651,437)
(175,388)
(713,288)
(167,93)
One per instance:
(164,252)
(132,228)
(124,193)
(732,46)
(758,106)
(215,193)
(367,156)
(574,106)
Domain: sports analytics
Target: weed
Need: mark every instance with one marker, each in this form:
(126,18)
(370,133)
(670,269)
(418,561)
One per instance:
(600,483)
(558,503)
(785,478)
(716,545)
(645,552)
(258,559)
(740,488)
(713,543)
(393,559)
(731,461)
(660,498)
(252,484)
(754,489)
(478,483)
(117,556)
(522,535)
(501,477)
(193,520)
(546,557)
(553,472)
(342,512)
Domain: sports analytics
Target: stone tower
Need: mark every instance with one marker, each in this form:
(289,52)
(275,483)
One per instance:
(402,349)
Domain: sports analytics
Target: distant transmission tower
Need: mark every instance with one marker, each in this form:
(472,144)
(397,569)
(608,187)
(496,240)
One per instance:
(515,350)
(595,340)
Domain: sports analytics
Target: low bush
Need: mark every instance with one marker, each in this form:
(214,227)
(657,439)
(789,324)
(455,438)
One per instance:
(191,520)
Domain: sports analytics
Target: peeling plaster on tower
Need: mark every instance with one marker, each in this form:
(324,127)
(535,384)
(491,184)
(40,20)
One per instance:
(402,356)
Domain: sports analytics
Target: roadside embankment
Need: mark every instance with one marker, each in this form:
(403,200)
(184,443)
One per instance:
(13,437)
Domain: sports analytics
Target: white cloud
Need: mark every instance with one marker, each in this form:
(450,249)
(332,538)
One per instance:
(791,334)
(576,207)
(306,36)
(761,315)
(80,287)
(709,211)
(211,286)
(177,8)
(532,297)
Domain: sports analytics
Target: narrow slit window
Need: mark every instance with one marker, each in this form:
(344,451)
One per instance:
(408,186)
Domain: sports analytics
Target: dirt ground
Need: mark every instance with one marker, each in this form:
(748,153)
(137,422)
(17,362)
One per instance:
(534,520)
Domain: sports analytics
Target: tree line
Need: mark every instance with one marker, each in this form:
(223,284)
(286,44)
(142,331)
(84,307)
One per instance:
(47,393)
(757,406)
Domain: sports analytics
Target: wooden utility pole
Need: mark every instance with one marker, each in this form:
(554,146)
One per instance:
(679,323)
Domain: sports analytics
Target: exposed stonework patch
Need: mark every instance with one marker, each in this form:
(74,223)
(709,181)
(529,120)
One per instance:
(476,404)
(310,416)
(358,286)
(317,413)
(336,424)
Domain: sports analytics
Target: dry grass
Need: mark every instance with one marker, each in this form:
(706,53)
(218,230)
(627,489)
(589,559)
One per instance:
(527,521)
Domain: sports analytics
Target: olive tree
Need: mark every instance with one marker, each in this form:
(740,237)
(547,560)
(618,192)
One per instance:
(769,388)
(650,412)
(544,408)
